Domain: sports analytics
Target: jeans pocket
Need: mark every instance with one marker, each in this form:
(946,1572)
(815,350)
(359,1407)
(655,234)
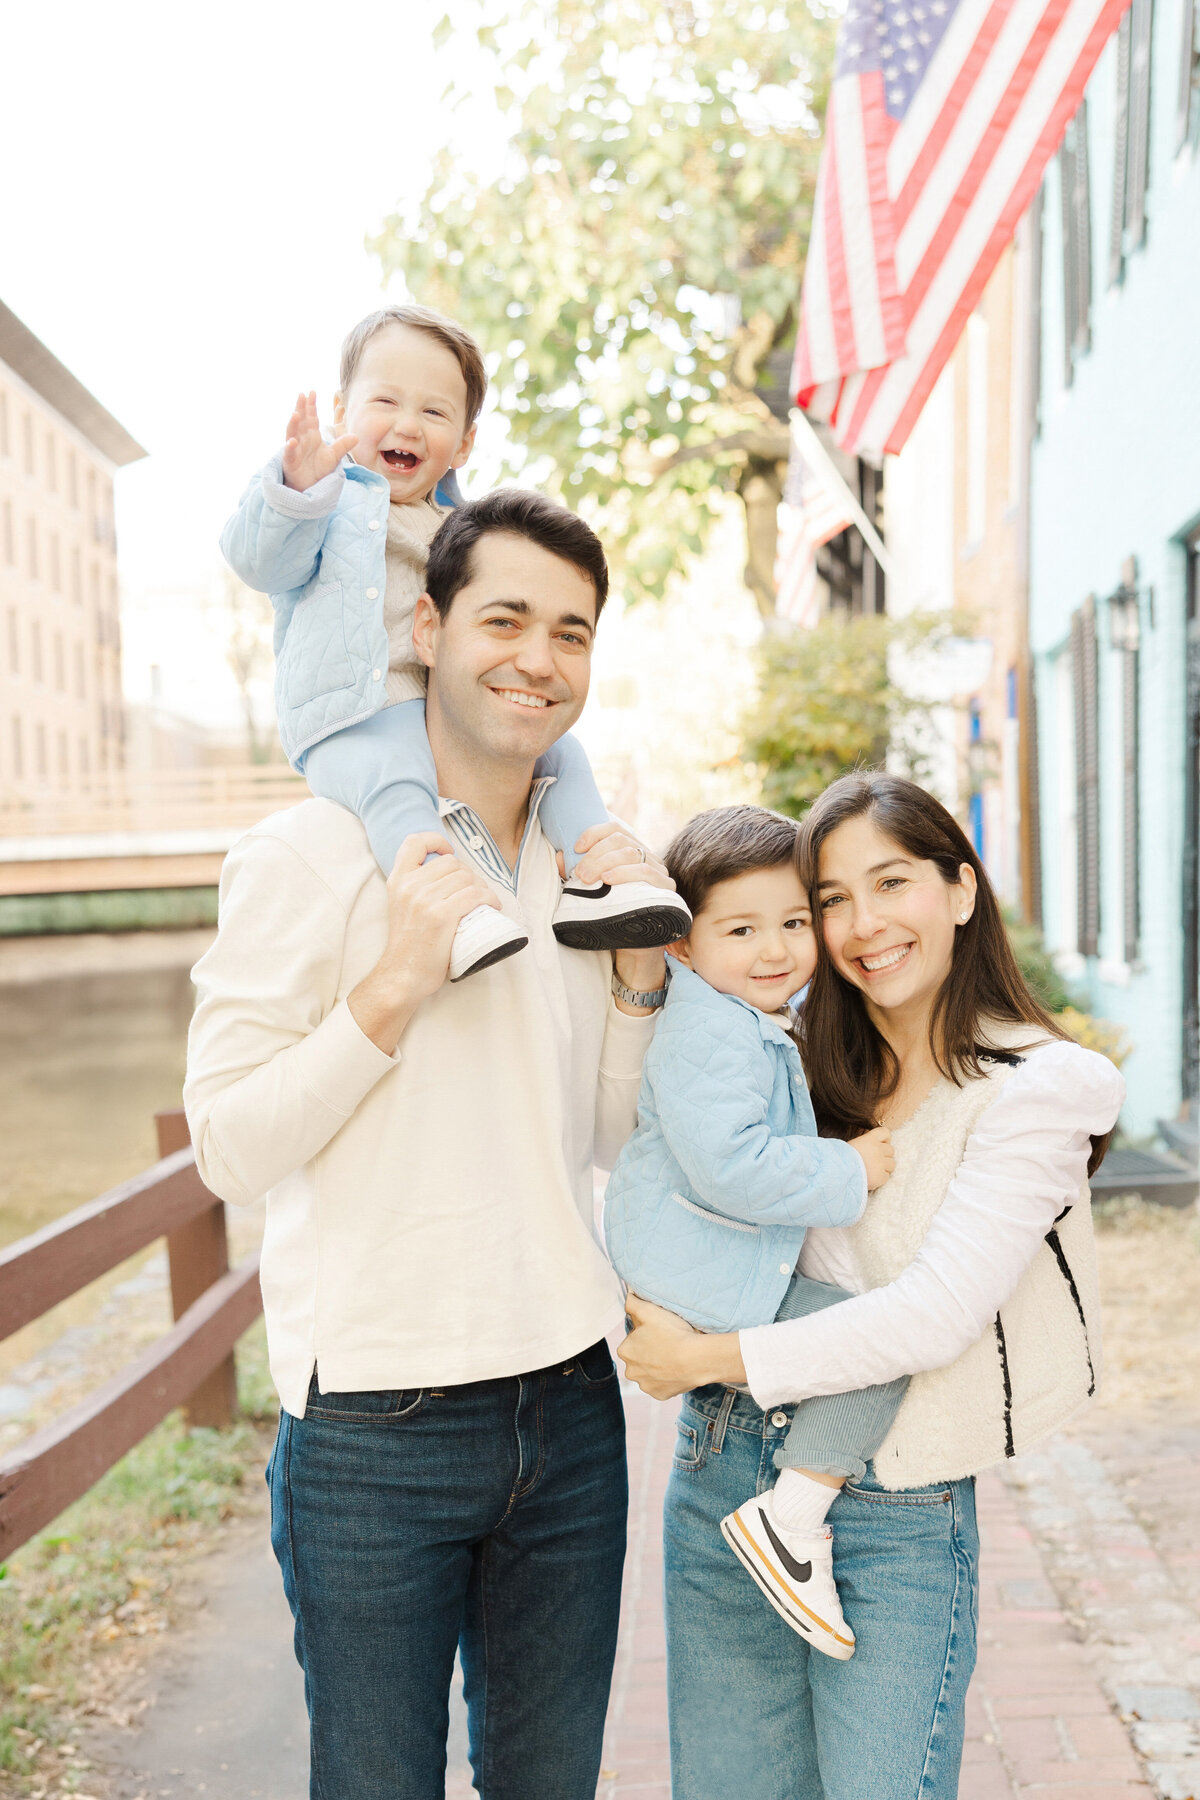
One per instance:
(373,1406)
(594,1367)
(691,1445)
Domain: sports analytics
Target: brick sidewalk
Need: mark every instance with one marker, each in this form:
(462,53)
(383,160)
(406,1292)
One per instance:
(1038,1723)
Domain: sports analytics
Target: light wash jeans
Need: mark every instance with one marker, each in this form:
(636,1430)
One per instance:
(753,1711)
(834,1434)
(382,769)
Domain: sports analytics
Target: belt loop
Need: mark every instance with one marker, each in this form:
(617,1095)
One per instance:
(722,1420)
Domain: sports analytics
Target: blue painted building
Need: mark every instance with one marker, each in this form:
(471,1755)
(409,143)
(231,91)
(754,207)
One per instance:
(1114,553)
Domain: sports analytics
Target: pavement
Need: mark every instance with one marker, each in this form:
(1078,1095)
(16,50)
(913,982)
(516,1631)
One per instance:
(1086,1687)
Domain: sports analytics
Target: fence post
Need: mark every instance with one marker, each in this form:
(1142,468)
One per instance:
(198,1255)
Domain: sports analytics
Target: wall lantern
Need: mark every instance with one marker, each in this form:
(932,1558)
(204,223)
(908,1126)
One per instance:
(1124,621)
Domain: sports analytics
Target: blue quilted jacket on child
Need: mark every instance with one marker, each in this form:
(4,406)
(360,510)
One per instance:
(708,1204)
(321,555)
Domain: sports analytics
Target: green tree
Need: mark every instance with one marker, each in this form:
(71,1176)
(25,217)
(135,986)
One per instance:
(633,268)
(827,704)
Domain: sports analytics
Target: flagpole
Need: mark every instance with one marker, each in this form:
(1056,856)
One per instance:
(816,455)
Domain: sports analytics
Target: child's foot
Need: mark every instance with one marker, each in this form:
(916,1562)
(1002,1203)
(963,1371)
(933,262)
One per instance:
(633,915)
(795,1572)
(484,937)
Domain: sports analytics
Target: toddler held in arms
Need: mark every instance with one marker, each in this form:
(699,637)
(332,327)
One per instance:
(707,1207)
(338,534)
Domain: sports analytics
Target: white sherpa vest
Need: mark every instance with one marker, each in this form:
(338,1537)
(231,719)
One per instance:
(1040,1361)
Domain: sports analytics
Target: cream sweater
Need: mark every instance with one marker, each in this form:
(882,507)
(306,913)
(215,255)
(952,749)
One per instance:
(411,530)
(958,1238)
(429,1214)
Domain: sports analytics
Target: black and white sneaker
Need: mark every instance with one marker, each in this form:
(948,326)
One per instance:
(794,1570)
(483,937)
(632,915)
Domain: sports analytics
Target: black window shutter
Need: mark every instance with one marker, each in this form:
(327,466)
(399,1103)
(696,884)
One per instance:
(1087,778)
(1189,76)
(1077,241)
(1129,808)
(1066,185)
(1116,227)
(1142,20)
(1036,234)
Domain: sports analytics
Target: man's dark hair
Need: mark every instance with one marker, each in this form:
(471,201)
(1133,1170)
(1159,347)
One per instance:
(730,840)
(521,513)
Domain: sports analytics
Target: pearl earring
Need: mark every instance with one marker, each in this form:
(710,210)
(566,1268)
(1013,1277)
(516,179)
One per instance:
(964,916)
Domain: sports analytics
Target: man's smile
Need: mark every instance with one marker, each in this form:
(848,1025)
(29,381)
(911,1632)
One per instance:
(523,697)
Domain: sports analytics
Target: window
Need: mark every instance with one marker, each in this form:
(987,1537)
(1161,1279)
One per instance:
(60,663)
(76,577)
(80,674)
(1077,242)
(30,468)
(4,445)
(14,643)
(845,564)
(31,548)
(35,638)
(64,758)
(51,464)
(85,759)
(1131,136)
(55,563)
(18,748)
(39,739)
(1085,674)
(10,541)
(72,480)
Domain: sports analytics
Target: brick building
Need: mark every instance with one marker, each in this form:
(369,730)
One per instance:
(61,714)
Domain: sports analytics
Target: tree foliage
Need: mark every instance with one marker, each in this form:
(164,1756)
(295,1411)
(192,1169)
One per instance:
(827,704)
(637,258)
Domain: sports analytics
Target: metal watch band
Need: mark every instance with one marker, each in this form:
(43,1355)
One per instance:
(651,996)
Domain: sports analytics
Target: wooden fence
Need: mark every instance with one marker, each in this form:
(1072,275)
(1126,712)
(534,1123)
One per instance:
(213,798)
(191,1365)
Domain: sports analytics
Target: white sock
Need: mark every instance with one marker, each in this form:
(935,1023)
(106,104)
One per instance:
(800,1503)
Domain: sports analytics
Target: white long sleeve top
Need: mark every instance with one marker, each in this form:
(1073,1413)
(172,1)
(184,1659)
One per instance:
(429,1213)
(1025,1162)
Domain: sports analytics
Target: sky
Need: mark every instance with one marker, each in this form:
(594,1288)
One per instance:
(182,220)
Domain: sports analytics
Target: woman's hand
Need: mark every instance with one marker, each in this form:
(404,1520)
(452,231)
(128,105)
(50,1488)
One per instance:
(665,1356)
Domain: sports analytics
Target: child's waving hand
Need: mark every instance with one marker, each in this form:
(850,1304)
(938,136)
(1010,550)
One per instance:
(307,459)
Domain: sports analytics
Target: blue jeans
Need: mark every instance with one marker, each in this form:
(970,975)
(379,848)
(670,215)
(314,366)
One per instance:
(488,1518)
(754,1712)
(382,769)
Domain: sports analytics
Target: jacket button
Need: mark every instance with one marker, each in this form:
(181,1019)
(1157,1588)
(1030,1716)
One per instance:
(375,675)
(372,524)
(785,1268)
(372,593)
(779,1420)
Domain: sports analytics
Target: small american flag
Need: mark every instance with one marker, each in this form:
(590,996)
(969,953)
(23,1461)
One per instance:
(942,117)
(812,511)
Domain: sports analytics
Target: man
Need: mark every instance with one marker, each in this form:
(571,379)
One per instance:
(449,1472)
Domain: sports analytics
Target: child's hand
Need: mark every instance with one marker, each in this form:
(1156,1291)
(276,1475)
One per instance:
(307,459)
(875,1148)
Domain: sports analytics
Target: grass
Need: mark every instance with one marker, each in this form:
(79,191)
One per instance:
(103,1570)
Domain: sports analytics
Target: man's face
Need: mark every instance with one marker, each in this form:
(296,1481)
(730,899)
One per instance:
(511,662)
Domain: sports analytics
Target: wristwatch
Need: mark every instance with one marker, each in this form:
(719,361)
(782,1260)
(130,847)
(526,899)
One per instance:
(650,997)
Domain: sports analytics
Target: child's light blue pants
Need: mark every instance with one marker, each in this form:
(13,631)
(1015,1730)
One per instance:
(834,1434)
(382,769)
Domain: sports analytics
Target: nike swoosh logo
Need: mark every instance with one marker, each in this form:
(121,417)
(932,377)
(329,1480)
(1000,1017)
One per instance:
(589,893)
(797,1570)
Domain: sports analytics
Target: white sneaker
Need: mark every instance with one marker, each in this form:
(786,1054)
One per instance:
(484,937)
(795,1572)
(633,915)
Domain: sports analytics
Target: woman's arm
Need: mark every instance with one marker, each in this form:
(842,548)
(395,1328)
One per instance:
(1024,1163)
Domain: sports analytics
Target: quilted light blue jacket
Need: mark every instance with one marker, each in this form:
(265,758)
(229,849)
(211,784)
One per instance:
(708,1204)
(321,555)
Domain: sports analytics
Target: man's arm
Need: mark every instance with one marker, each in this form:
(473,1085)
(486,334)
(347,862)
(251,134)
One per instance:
(276,1063)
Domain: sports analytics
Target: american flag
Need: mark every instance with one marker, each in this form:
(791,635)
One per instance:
(942,117)
(813,510)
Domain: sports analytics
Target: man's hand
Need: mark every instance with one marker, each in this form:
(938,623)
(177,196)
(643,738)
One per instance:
(426,902)
(612,853)
(307,458)
(875,1148)
(665,1356)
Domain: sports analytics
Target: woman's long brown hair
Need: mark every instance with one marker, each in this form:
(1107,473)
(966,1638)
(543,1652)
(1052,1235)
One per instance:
(850,1066)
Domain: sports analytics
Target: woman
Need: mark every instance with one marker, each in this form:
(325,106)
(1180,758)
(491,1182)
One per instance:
(974,1272)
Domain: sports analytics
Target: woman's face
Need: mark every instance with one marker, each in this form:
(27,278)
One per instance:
(888,918)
